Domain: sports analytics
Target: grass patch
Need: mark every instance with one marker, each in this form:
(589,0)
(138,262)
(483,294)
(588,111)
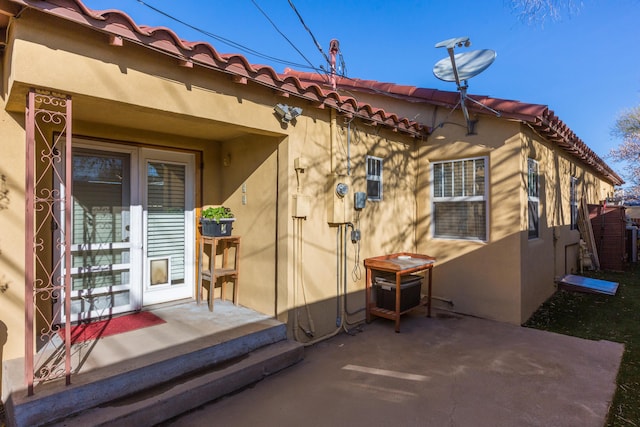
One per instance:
(601,317)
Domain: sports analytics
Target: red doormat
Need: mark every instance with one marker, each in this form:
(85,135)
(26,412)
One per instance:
(115,325)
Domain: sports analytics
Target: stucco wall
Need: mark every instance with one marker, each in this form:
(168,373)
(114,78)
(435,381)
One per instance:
(129,95)
(554,253)
(248,178)
(329,145)
(12,170)
(510,275)
(479,278)
(81,63)
(537,274)
(122,97)
(12,167)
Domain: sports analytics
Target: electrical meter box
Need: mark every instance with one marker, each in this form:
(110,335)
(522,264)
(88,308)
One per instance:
(359,200)
(300,206)
(339,199)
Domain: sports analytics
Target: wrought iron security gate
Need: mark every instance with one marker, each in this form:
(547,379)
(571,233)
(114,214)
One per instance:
(48,207)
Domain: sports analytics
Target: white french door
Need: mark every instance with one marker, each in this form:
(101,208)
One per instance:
(105,244)
(169,228)
(132,229)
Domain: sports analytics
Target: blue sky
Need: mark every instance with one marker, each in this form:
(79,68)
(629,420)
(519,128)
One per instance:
(585,66)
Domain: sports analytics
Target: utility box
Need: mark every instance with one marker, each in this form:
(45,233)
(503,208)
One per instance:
(300,206)
(339,199)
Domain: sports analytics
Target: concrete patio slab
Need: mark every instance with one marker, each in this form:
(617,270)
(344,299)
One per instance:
(189,350)
(448,370)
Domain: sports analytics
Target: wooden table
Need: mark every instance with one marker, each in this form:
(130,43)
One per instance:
(400,264)
(211,273)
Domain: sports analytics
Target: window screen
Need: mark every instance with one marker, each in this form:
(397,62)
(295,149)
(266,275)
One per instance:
(573,201)
(459,199)
(374,178)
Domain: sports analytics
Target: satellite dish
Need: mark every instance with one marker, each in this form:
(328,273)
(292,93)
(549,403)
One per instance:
(461,67)
(468,64)
(451,43)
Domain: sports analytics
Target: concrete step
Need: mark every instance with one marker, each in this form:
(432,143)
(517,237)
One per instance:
(260,348)
(180,395)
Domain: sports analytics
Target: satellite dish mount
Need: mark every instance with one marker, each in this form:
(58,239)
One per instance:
(459,68)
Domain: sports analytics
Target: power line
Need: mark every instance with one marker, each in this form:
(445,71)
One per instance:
(225,40)
(283,35)
(310,33)
(343,66)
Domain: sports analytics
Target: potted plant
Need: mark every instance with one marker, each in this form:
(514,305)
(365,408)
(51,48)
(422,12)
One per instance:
(217,221)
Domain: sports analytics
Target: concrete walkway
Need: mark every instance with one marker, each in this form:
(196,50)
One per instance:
(445,371)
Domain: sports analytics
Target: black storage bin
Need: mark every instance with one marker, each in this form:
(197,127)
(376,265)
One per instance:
(213,228)
(410,288)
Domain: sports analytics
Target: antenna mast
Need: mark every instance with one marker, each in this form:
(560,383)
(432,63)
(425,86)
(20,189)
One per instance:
(334,48)
(469,64)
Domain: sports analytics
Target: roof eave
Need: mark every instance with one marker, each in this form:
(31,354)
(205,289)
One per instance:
(120,26)
(538,116)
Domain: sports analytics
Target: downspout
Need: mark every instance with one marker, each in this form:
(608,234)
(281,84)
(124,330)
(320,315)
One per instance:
(349,147)
(295,280)
(277,229)
(338,313)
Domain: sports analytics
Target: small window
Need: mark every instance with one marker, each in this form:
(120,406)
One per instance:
(533,188)
(459,199)
(573,200)
(374,178)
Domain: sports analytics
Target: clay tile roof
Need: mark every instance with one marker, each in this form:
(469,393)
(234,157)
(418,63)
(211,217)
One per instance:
(118,24)
(539,117)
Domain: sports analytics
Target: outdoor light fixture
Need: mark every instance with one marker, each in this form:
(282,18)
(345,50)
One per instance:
(287,113)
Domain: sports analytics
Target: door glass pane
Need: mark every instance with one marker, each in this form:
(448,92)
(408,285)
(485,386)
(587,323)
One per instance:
(166,223)
(99,303)
(100,230)
(98,199)
(480,177)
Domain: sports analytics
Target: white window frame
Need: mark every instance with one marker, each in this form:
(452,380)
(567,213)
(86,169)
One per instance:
(133,266)
(375,177)
(171,292)
(440,198)
(573,202)
(533,196)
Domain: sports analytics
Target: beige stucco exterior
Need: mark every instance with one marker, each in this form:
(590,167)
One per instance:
(508,276)
(135,96)
(131,96)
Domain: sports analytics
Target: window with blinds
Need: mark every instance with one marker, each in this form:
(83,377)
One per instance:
(374,178)
(459,199)
(533,188)
(166,220)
